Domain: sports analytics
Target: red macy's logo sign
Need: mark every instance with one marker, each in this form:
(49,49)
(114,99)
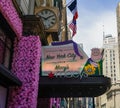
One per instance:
(67,74)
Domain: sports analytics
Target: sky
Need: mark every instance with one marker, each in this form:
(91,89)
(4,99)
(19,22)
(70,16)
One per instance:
(94,18)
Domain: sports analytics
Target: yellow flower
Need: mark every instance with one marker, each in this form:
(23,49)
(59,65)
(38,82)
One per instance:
(89,69)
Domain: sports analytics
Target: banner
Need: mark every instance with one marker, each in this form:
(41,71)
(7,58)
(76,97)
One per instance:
(62,60)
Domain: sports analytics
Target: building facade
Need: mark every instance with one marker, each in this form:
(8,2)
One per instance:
(22,34)
(118,27)
(111,61)
(118,18)
(26,26)
(110,69)
(58,31)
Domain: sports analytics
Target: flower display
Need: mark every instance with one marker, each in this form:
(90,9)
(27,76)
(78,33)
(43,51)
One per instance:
(10,14)
(26,61)
(25,66)
(55,102)
(89,69)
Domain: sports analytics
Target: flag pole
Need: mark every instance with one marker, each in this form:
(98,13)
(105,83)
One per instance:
(68,4)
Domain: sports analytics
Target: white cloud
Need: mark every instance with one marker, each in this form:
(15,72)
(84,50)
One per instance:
(90,28)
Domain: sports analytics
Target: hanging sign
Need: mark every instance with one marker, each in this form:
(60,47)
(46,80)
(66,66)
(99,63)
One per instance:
(94,64)
(63,59)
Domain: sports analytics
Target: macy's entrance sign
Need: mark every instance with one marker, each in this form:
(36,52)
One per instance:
(68,74)
(63,60)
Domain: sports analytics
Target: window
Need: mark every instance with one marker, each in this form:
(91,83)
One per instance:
(5,49)
(57,3)
(103,106)
(24,6)
(3,94)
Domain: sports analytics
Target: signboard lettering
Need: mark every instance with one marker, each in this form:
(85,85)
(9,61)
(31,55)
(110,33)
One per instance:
(62,60)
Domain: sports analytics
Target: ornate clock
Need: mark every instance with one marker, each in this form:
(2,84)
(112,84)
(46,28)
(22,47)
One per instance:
(48,17)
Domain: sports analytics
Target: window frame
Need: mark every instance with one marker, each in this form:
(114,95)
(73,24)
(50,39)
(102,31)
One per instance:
(8,34)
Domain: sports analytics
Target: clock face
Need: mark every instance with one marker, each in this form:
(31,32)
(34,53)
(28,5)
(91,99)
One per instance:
(48,17)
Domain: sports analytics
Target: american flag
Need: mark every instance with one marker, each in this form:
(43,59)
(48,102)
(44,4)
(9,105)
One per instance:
(73,27)
(73,9)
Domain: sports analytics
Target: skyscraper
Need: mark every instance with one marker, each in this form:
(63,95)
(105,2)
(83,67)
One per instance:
(118,28)
(110,69)
(111,66)
(118,18)
(111,61)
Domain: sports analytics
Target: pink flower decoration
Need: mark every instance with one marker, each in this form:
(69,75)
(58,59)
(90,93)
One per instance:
(26,61)
(9,12)
(27,73)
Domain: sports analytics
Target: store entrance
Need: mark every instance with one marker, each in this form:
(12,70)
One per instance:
(73,87)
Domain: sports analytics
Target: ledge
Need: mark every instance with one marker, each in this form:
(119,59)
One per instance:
(92,86)
(7,78)
(33,25)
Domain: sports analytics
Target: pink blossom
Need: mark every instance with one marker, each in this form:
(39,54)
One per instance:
(9,12)
(27,95)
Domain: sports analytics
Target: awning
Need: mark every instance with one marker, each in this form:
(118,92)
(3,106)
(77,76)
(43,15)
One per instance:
(91,86)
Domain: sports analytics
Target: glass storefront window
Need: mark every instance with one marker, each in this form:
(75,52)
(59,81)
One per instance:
(3,95)
(1,51)
(5,49)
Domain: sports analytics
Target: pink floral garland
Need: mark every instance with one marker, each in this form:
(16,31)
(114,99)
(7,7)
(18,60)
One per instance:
(26,61)
(9,12)
(26,64)
(55,101)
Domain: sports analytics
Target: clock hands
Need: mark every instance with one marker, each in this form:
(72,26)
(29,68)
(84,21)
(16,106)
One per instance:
(45,18)
(50,16)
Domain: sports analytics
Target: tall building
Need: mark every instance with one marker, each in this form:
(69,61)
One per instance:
(111,61)
(55,27)
(118,18)
(118,27)
(110,69)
